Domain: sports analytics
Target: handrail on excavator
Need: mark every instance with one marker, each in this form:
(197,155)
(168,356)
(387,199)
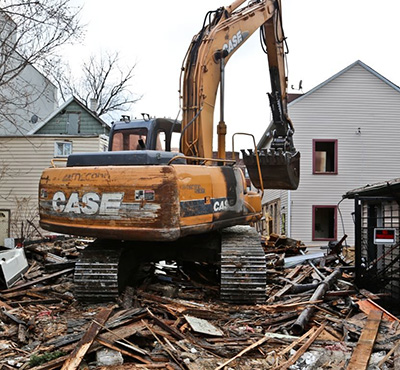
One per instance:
(201,159)
(52,161)
(256,154)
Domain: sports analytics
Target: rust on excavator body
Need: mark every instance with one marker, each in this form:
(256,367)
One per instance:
(149,203)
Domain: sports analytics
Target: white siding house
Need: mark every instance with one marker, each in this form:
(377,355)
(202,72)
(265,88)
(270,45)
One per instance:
(347,131)
(22,161)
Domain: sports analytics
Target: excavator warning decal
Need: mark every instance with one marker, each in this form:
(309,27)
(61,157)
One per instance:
(144,195)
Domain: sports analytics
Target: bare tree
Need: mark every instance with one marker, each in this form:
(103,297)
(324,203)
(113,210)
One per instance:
(31,33)
(103,80)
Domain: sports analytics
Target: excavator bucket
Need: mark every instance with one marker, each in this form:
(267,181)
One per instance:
(279,169)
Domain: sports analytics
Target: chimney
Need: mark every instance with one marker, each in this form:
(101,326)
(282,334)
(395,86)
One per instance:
(93,105)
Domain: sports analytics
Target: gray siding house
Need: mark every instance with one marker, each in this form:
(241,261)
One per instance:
(71,128)
(26,94)
(347,133)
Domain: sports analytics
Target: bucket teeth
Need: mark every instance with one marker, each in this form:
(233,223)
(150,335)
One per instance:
(279,169)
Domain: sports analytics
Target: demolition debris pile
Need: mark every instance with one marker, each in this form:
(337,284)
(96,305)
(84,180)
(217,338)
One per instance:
(313,317)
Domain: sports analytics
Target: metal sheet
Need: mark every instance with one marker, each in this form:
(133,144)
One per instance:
(203,326)
(13,264)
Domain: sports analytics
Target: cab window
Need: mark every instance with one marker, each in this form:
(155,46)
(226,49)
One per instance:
(133,139)
(161,141)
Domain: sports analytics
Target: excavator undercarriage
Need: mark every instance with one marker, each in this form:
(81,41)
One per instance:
(106,267)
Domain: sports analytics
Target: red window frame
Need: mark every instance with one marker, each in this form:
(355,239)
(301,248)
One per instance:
(314,143)
(314,237)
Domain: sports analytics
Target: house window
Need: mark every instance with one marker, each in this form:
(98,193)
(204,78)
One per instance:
(325,156)
(324,223)
(62,149)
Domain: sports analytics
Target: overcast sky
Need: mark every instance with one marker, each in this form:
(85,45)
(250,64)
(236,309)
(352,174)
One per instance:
(323,38)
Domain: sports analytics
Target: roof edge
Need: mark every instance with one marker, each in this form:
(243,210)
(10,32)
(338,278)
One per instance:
(73,98)
(357,62)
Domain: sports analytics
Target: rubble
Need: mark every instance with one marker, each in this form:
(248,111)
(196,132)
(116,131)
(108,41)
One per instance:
(174,319)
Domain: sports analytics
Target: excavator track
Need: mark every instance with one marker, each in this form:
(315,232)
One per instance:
(243,266)
(99,273)
(96,274)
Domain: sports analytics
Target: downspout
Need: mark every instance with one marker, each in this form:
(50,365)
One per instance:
(289,215)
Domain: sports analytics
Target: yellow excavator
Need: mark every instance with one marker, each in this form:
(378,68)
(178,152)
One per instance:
(144,202)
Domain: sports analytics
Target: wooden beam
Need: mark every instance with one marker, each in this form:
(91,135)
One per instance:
(360,358)
(366,305)
(241,353)
(5,305)
(111,345)
(297,342)
(381,362)
(39,280)
(82,347)
(303,348)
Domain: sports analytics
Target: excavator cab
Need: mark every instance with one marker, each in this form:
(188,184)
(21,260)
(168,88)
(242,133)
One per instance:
(144,134)
(148,141)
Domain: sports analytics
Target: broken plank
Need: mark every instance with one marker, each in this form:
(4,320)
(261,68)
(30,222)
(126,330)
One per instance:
(303,348)
(294,272)
(129,366)
(13,318)
(396,346)
(35,301)
(112,346)
(123,332)
(19,293)
(396,359)
(123,341)
(181,366)
(366,305)
(82,347)
(288,306)
(297,342)
(5,305)
(166,327)
(360,358)
(296,280)
(39,280)
(241,353)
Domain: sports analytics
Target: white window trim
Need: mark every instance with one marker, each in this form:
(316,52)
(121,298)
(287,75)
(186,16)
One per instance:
(56,144)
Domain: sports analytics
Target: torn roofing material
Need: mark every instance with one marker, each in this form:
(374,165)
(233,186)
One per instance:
(389,187)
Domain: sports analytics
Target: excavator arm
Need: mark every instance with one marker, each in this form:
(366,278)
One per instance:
(223,32)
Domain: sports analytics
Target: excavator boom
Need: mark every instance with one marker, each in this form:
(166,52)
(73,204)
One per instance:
(228,28)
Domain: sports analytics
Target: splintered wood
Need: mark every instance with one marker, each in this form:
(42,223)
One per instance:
(313,317)
(84,344)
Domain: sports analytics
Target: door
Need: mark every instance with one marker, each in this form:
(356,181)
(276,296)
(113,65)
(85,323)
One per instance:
(73,124)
